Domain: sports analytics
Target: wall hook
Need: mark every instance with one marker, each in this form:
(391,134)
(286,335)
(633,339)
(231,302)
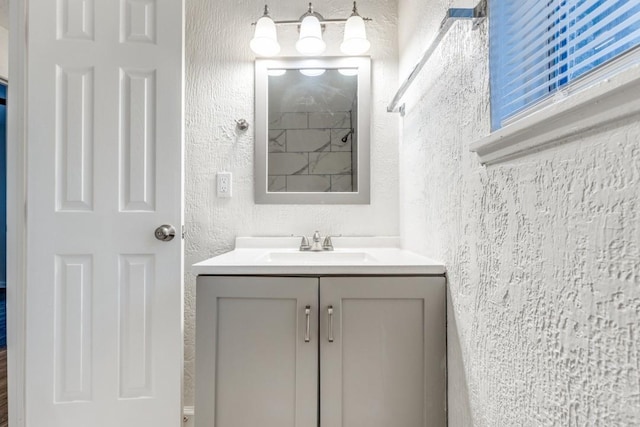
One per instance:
(242,125)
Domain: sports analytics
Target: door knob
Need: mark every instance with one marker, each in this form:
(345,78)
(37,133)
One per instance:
(165,233)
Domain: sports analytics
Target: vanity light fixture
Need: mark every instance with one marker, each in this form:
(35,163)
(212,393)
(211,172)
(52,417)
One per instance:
(355,35)
(311,25)
(312,72)
(310,41)
(277,72)
(348,72)
(265,38)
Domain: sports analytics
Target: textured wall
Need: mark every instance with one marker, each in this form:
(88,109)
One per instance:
(4,13)
(4,52)
(219,90)
(543,252)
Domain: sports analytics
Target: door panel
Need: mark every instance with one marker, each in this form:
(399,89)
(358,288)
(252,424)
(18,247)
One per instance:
(254,366)
(104,297)
(386,364)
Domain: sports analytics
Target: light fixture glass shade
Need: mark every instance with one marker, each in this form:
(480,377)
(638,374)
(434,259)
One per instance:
(312,72)
(276,72)
(349,72)
(265,39)
(310,41)
(355,37)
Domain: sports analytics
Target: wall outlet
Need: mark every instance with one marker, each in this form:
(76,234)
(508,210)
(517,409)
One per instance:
(224,184)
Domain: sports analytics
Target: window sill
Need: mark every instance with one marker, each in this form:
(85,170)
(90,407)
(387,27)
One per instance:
(610,100)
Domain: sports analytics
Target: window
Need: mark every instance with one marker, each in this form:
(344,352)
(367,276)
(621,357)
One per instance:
(540,47)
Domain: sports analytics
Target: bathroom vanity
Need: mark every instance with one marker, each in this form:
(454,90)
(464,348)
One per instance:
(350,337)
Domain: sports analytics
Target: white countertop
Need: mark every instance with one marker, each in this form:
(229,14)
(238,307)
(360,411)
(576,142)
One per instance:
(352,255)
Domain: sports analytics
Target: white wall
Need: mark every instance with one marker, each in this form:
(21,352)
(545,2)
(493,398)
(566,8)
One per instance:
(4,39)
(4,53)
(4,13)
(219,90)
(542,252)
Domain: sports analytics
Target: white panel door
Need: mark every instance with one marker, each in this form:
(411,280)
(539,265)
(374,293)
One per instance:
(383,352)
(104,296)
(256,352)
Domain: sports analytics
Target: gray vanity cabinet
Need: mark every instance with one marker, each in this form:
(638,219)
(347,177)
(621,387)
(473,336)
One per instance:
(254,366)
(386,366)
(376,344)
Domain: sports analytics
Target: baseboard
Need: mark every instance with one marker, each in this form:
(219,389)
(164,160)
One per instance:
(187,416)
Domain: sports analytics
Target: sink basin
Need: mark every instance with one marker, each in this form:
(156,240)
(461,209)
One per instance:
(319,258)
(353,255)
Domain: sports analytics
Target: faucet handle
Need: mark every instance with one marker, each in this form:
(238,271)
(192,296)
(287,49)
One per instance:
(304,243)
(327,245)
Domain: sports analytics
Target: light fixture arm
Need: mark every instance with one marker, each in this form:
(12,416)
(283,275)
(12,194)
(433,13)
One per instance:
(322,19)
(311,25)
(355,10)
(311,12)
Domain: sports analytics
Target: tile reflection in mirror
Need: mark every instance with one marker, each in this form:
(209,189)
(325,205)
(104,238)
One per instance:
(309,116)
(312,132)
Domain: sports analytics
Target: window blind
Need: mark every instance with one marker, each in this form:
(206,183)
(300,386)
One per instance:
(538,47)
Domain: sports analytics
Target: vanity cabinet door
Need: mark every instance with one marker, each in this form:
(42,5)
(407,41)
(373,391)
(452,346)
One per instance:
(383,351)
(255,363)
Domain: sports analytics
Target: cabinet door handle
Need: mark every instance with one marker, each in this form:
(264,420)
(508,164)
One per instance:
(307,331)
(330,313)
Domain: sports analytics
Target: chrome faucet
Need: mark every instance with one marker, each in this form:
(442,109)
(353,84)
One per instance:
(304,244)
(316,246)
(327,245)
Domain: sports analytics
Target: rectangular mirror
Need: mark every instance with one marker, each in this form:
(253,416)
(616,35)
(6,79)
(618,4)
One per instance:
(312,130)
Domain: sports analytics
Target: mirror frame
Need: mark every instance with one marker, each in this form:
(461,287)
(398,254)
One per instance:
(261,143)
